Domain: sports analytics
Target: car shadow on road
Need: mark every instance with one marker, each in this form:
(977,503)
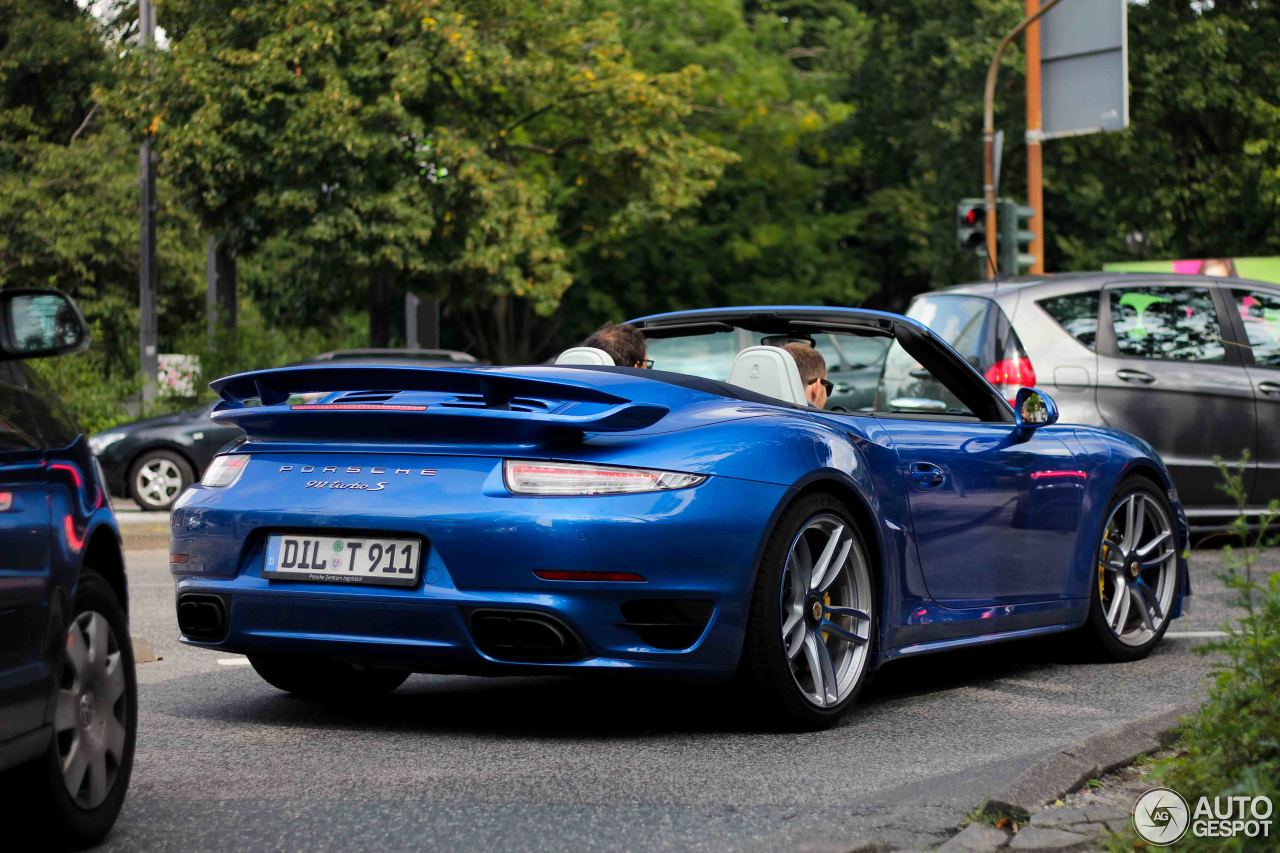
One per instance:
(604,707)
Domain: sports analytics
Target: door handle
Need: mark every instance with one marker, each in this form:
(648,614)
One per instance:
(926,475)
(1141,377)
(1271,388)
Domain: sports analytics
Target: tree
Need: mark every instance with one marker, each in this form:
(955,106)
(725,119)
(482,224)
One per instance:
(776,228)
(69,184)
(1198,171)
(465,148)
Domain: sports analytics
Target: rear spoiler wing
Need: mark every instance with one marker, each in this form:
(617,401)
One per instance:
(573,406)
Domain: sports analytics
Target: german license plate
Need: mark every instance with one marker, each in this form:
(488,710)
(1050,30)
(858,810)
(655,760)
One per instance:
(343,559)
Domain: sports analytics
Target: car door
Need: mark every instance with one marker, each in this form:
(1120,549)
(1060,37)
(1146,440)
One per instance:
(994,512)
(1167,374)
(1257,312)
(24,558)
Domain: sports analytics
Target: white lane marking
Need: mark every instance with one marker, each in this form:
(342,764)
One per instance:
(1194,635)
(234,661)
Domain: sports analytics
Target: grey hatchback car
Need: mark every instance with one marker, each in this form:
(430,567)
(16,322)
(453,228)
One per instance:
(1189,363)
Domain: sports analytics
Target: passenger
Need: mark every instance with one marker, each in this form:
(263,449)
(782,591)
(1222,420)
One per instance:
(624,344)
(813,373)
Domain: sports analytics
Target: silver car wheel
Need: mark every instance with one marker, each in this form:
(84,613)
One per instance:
(158,482)
(1137,569)
(92,707)
(826,609)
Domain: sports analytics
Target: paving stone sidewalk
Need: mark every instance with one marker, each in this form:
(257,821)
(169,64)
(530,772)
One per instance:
(1079,821)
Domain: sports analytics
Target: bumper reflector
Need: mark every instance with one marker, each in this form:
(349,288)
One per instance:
(560,575)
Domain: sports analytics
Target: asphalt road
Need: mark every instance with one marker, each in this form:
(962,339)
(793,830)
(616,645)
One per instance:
(226,762)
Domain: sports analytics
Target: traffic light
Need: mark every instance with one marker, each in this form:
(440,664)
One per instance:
(971,226)
(1014,223)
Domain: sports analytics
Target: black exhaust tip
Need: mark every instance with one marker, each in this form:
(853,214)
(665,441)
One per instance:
(202,617)
(523,635)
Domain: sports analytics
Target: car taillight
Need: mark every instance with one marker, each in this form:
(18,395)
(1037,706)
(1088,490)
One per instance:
(224,470)
(571,478)
(1010,374)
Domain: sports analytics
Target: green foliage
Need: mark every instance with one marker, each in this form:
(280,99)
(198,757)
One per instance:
(1198,171)
(465,149)
(258,343)
(776,228)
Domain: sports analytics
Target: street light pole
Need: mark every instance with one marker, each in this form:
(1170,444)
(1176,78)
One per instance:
(147,273)
(1035,163)
(989,133)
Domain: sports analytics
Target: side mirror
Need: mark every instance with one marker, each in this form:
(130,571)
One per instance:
(1032,409)
(39,322)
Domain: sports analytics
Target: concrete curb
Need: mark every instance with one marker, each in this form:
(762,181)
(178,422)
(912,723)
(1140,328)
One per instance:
(145,536)
(1073,766)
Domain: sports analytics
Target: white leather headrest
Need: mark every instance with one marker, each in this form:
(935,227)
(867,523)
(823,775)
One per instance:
(770,371)
(584,355)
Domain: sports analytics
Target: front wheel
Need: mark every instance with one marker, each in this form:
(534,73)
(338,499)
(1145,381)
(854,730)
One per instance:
(320,678)
(811,630)
(1136,573)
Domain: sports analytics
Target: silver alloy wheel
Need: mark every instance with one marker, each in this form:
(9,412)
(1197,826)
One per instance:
(92,706)
(826,606)
(158,482)
(1137,569)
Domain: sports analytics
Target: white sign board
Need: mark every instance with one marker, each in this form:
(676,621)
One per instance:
(1084,67)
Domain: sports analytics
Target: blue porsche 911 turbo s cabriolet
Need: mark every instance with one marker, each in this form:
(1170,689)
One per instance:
(698,519)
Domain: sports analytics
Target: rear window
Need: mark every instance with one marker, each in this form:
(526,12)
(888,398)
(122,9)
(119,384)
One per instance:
(1077,313)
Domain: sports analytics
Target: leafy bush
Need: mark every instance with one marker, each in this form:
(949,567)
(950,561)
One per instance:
(99,395)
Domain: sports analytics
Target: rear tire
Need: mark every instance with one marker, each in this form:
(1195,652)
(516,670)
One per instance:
(321,678)
(811,630)
(1134,571)
(95,703)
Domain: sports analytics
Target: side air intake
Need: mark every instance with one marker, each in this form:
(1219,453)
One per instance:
(667,623)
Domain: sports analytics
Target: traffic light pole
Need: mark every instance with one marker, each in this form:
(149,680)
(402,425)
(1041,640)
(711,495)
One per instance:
(989,129)
(1035,174)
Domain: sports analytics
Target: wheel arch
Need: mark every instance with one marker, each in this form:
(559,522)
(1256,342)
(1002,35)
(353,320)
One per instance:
(105,556)
(847,493)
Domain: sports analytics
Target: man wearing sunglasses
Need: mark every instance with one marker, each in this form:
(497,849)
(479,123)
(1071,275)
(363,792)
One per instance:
(813,373)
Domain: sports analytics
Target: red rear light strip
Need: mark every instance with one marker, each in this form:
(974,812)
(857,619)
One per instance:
(6,501)
(356,407)
(560,575)
(580,472)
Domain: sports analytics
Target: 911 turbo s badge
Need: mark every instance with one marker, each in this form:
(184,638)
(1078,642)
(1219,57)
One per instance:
(353,469)
(338,484)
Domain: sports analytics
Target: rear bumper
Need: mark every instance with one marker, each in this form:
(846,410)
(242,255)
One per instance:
(692,545)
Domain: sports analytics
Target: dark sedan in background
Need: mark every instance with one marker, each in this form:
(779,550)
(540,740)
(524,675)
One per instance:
(153,460)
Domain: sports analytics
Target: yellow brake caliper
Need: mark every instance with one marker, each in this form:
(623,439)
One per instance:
(1102,568)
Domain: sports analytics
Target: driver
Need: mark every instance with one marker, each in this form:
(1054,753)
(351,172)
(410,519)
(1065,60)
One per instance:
(624,344)
(813,373)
